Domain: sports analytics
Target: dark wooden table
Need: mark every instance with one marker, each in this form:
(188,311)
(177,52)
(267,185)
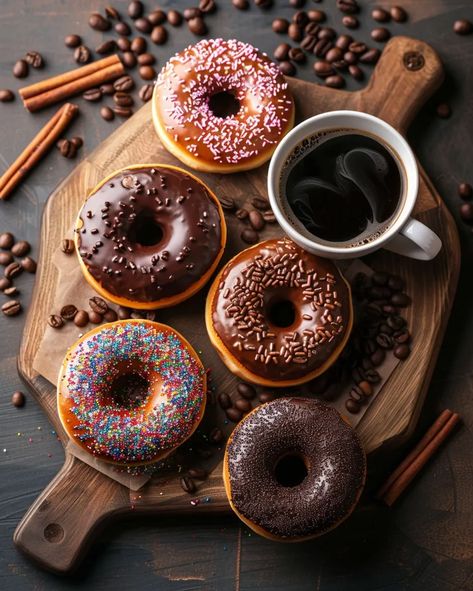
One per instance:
(426,541)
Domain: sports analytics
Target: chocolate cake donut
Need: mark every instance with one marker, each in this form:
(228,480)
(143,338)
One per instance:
(278,315)
(293,469)
(150,236)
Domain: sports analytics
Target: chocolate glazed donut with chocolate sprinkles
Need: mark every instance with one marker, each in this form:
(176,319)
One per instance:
(150,236)
(293,469)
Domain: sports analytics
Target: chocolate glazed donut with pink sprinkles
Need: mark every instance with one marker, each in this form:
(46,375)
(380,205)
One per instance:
(222,106)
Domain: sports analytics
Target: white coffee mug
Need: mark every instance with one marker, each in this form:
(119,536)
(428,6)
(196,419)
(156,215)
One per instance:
(404,235)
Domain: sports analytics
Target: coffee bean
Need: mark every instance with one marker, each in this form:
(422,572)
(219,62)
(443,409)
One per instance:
(6,95)
(82,54)
(143,25)
(261,203)
(287,68)
(11,308)
(357,47)
(11,291)
(99,22)
(146,92)
(123,313)
(4,284)
(77,141)
(297,55)
(197,26)
(98,304)
(95,317)
(233,415)
(159,35)
(264,3)
(13,270)
(243,405)
(241,213)
(356,395)
(327,33)
(256,220)
(68,312)
(281,52)
(348,6)
(402,336)
(124,112)
(123,44)
(378,357)
(463,27)
(107,113)
(123,99)
(6,240)
(466,212)
(207,6)
(20,69)
(112,13)
(336,81)
(380,15)
(21,248)
(294,32)
(370,57)
(269,217)
(135,9)
(198,473)
(380,278)
(246,390)
(372,376)
(216,436)
(402,351)
(92,95)
(266,397)
(300,18)
(366,388)
(249,236)
(343,42)
(81,318)
(308,43)
(380,34)
(174,18)
(6,258)
(350,22)
(157,17)
(224,400)
(34,59)
(187,485)
(110,315)
(443,110)
(280,25)
(55,321)
(323,69)
(138,45)
(146,59)
(384,341)
(18,399)
(334,54)
(352,406)
(321,47)
(398,14)
(396,283)
(67,148)
(227,203)
(312,29)
(401,300)
(147,72)
(106,47)
(296,3)
(356,72)
(124,84)
(465,191)
(72,41)
(129,59)
(123,29)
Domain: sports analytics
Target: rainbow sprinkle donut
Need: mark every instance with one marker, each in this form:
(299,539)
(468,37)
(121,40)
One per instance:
(131,391)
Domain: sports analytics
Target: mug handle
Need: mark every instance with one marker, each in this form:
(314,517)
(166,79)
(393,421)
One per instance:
(415,240)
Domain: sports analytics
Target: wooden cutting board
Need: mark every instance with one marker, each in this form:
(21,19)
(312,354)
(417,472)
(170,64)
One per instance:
(57,528)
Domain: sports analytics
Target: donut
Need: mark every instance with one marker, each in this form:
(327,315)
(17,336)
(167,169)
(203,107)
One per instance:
(131,391)
(278,315)
(221,106)
(293,469)
(149,236)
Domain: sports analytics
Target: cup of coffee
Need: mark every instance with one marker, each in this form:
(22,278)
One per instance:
(343,184)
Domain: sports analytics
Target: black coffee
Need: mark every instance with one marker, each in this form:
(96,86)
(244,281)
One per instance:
(345,187)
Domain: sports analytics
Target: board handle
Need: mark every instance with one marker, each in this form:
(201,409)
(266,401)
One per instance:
(58,527)
(409,71)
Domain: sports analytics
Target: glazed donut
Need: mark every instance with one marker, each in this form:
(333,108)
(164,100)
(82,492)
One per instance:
(278,315)
(221,106)
(131,391)
(293,469)
(149,236)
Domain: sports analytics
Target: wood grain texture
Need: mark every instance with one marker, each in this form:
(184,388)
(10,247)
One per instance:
(393,413)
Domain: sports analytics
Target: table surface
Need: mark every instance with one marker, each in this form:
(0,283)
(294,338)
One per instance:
(426,540)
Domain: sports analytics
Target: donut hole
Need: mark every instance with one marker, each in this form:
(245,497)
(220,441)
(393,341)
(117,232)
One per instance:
(291,469)
(129,390)
(145,230)
(281,313)
(224,104)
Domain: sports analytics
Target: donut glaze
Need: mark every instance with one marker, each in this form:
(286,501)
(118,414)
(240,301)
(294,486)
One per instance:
(162,201)
(241,328)
(131,430)
(332,454)
(190,129)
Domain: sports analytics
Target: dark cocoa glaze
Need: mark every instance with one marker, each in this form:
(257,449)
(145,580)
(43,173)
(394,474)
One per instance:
(265,275)
(136,208)
(330,449)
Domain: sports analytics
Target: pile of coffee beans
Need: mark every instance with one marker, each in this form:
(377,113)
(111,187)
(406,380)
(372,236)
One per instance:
(246,395)
(465,192)
(69,148)
(10,251)
(253,218)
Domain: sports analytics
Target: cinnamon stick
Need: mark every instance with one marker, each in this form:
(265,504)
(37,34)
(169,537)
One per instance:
(416,460)
(36,149)
(50,91)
